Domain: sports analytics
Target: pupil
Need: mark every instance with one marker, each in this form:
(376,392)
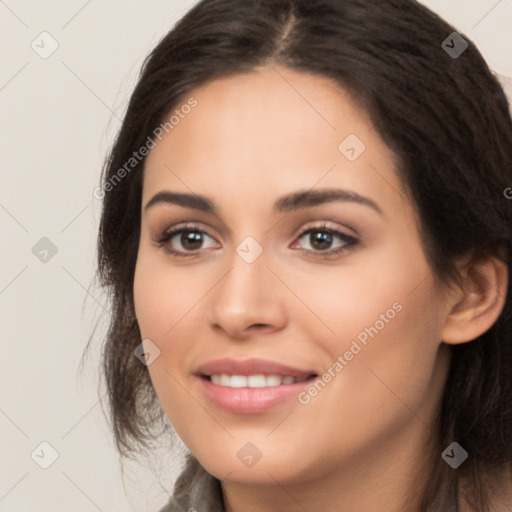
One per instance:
(322,238)
(188,239)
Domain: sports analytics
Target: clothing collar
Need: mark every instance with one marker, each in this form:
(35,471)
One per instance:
(195,490)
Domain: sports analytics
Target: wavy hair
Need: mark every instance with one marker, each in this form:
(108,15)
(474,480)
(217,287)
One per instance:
(448,121)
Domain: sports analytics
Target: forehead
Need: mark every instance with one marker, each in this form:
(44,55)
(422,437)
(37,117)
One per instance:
(269,132)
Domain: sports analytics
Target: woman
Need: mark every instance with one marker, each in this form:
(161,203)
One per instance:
(307,236)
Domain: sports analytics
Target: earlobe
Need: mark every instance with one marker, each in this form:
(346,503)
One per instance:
(480,301)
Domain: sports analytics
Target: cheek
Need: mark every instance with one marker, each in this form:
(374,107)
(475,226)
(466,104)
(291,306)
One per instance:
(147,298)
(162,296)
(161,303)
(388,378)
(389,348)
(374,293)
(384,319)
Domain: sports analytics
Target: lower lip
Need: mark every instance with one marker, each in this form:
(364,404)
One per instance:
(251,400)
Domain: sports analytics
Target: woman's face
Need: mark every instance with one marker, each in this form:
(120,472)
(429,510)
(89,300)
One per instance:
(298,335)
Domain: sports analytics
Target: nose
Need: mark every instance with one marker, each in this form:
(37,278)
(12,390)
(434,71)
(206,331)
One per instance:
(248,299)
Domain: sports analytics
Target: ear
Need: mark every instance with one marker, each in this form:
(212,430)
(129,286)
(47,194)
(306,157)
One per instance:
(475,307)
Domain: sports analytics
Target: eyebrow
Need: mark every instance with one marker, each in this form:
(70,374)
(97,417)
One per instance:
(295,201)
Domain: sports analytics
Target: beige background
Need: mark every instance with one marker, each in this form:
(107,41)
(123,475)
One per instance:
(60,115)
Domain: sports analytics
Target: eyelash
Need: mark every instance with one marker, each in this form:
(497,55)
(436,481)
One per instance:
(166,236)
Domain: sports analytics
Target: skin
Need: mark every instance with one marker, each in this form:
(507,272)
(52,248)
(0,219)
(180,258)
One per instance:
(356,445)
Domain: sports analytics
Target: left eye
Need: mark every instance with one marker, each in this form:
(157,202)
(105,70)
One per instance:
(320,240)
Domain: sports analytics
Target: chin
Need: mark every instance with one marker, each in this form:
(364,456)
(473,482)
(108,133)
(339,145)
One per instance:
(259,466)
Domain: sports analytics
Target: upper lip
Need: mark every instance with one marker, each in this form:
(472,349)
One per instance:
(251,367)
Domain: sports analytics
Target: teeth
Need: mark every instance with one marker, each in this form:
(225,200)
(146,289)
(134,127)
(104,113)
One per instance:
(238,381)
(225,380)
(256,381)
(253,381)
(273,380)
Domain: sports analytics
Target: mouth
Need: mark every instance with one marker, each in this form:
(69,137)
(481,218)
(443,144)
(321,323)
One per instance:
(254,381)
(251,386)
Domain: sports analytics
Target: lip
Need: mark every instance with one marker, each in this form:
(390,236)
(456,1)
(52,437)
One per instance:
(251,367)
(250,400)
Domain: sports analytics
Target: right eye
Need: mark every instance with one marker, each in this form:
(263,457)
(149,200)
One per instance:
(183,241)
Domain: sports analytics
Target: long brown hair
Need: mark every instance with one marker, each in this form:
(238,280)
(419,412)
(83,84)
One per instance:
(445,116)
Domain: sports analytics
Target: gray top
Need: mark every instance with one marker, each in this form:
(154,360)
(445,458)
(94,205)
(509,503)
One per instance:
(195,490)
(198,491)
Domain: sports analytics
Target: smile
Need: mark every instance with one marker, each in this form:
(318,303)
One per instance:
(253,381)
(250,386)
